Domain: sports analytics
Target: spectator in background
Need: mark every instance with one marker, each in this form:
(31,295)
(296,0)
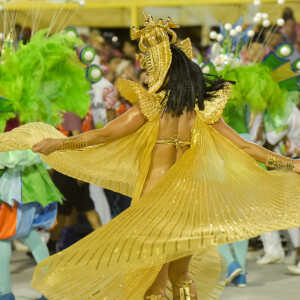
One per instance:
(118,68)
(197,58)
(126,70)
(255,50)
(206,52)
(273,39)
(130,49)
(291,31)
(286,141)
(84,38)
(104,96)
(77,198)
(98,43)
(94,33)
(103,100)
(112,64)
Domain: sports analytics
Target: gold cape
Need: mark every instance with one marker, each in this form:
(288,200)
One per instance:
(214,194)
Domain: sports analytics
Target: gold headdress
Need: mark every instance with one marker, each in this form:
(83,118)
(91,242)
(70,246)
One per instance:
(155,43)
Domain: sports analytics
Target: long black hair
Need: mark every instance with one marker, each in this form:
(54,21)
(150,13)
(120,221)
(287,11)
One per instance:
(186,86)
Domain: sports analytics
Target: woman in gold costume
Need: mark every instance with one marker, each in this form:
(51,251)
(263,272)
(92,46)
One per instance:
(195,185)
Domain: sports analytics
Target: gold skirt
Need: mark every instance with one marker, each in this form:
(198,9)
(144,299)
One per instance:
(214,194)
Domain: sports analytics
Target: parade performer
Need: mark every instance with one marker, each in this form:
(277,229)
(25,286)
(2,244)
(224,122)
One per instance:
(249,97)
(37,82)
(28,201)
(195,184)
(285,139)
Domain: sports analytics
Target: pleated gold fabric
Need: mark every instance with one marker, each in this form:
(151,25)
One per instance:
(214,194)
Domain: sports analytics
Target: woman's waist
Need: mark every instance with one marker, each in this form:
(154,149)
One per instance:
(178,143)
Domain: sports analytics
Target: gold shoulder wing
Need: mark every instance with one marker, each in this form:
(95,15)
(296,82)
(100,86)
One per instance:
(133,92)
(213,109)
(186,47)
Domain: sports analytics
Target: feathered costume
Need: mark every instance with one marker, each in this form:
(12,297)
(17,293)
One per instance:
(210,196)
(38,81)
(269,87)
(259,90)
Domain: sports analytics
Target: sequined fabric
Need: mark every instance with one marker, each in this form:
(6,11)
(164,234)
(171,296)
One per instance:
(214,194)
(149,102)
(214,109)
(186,47)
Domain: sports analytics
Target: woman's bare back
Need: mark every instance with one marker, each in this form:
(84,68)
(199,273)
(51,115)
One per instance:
(164,155)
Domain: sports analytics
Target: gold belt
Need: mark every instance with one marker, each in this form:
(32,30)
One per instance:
(174,141)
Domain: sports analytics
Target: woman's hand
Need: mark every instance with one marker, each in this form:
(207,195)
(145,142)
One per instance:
(296,163)
(47,146)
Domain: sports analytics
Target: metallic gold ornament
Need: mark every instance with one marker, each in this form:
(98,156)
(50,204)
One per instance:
(184,290)
(174,141)
(273,162)
(155,297)
(155,44)
(73,143)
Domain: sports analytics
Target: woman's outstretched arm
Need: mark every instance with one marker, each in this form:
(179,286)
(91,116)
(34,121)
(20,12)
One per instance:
(126,124)
(259,153)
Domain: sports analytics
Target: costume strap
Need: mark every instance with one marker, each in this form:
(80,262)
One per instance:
(156,297)
(184,290)
(174,141)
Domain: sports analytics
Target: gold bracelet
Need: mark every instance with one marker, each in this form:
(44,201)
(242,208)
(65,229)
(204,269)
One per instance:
(272,162)
(73,143)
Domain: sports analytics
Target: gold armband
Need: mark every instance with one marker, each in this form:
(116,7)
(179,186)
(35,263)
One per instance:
(73,143)
(274,162)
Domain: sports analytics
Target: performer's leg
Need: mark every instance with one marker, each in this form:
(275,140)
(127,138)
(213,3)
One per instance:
(182,281)
(272,247)
(93,218)
(291,256)
(226,252)
(234,268)
(159,287)
(85,204)
(240,252)
(37,247)
(5,280)
(68,235)
(295,238)
(55,233)
(64,234)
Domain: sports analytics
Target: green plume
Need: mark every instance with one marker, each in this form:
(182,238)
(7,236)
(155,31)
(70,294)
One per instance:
(43,78)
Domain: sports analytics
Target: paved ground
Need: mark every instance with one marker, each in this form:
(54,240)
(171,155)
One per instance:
(271,282)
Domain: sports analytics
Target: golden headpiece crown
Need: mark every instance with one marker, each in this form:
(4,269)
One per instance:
(155,43)
(154,34)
